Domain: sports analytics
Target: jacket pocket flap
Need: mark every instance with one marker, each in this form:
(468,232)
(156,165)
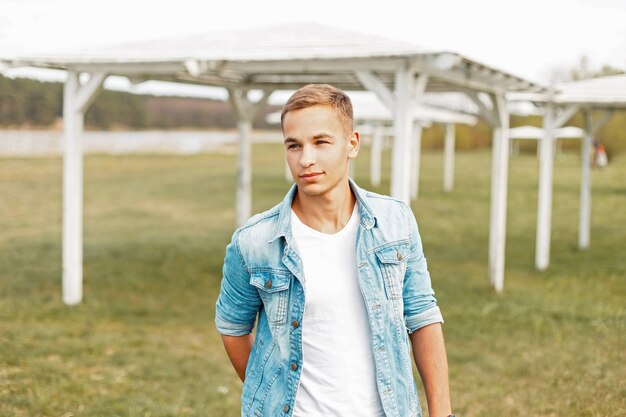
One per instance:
(393,254)
(270,281)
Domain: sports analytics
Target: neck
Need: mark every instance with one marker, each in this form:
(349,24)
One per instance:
(326,213)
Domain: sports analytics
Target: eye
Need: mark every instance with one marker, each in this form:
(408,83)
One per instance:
(293,146)
(321,142)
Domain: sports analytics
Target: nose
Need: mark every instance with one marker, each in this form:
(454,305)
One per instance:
(307,157)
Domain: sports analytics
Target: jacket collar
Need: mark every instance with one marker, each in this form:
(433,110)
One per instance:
(283,226)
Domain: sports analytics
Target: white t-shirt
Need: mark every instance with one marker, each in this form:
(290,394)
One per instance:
(338,373)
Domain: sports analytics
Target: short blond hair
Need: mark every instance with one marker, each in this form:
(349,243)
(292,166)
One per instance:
(321,95)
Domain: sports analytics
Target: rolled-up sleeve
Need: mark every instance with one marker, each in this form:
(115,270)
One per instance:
(420,304)
(238,302)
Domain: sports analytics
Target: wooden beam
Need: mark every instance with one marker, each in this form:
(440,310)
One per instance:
(349,65)
(563,116)
(72,192)
(458,79)
(403,126)
(416,147)
(584,219)
(374,84)
(76,100)
(86,94)
(484,111)
(544,206)
(448,158)
(260,104)
(245,111)
(155,68)
(499,186)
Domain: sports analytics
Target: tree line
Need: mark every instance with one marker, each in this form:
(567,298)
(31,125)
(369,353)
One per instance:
(27,103)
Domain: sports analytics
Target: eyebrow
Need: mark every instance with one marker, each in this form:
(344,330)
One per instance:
(322,135)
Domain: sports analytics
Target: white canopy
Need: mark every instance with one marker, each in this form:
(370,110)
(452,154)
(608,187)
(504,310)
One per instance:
(283,57)
(605,93)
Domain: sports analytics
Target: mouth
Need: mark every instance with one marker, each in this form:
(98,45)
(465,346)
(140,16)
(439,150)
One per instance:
(310,176)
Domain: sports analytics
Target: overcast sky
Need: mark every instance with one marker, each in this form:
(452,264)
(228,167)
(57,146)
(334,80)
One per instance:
(528,38)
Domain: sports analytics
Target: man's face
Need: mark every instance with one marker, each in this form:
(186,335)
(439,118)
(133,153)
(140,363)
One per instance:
(318,149)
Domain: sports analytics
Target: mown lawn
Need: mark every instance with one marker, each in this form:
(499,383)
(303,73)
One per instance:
(143,342)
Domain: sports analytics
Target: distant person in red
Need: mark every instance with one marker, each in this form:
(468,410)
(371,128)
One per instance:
(600,158)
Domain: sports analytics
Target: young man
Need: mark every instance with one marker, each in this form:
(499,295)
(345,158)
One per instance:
(337,280)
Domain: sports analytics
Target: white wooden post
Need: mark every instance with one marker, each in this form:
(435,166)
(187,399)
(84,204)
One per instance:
(76,100)
(245,111)
(493,209)
(72,193)
(448,158)
(500,157)
(416,150)
(244,166)
(402,126)
(376,155)
(584,221)
(544,209)
(408,90)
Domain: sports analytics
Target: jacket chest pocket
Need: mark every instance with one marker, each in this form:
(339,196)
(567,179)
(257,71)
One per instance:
(393,259)
(273,288)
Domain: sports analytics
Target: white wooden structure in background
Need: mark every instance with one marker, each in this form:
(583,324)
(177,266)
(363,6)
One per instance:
(281,57)
(600,97)
(537,133)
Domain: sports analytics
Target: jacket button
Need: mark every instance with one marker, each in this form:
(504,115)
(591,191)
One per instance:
(294,366)
(399,255)
(295,323)
(268,283)
(286,408)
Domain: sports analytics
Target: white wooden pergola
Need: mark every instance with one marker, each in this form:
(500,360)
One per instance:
(282,57)
(598,99)
(537,133)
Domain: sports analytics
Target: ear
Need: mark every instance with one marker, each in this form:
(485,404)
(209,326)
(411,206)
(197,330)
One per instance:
(354,143)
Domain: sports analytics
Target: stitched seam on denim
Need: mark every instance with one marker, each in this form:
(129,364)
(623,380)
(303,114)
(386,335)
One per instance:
(256,388)
(273,212)
(388,244)
(267,391)
(243,262)
(276,271)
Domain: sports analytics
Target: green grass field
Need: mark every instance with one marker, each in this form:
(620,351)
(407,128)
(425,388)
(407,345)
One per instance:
(143,342)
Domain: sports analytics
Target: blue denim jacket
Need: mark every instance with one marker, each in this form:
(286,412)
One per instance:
(263,281)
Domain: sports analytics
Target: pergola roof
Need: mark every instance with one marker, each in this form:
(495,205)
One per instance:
(281,57)
(606,93)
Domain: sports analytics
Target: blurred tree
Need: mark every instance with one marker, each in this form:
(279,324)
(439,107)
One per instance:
(584,70)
